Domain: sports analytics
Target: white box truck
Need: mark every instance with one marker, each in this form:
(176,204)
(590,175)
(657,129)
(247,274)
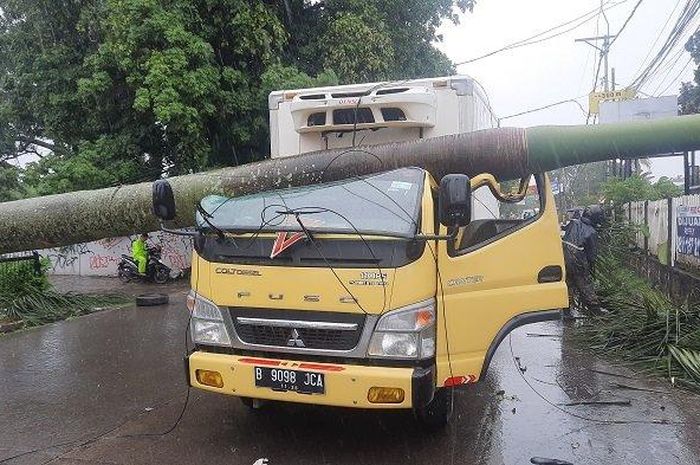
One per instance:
(305,120)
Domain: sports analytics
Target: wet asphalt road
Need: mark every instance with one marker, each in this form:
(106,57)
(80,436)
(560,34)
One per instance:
(74,392)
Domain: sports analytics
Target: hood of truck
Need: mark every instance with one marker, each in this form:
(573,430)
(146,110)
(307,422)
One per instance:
(349,290)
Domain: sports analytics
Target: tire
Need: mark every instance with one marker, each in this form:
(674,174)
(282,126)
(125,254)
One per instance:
(253,405)
(161,275)
(151,300)
(437,414)
(124,275)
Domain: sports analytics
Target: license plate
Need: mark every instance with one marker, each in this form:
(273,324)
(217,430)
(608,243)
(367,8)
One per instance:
(278,379)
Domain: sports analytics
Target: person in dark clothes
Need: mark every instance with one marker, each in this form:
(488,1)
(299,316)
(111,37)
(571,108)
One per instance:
(580,249)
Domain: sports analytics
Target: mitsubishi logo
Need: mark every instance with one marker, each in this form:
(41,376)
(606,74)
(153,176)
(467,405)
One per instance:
(295,340)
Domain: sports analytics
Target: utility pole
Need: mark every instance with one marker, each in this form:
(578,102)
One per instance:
(607,82)
(612,79)
(604,49)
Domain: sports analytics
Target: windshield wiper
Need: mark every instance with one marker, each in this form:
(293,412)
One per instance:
(205,216)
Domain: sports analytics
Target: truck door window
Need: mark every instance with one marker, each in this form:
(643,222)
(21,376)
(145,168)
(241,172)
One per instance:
(492,219)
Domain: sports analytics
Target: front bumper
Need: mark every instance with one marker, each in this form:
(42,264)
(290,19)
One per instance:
(345,385)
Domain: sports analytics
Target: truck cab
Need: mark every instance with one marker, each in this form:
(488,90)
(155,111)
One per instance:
(380,291)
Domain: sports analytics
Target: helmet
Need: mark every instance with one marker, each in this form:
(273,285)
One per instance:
(594,214)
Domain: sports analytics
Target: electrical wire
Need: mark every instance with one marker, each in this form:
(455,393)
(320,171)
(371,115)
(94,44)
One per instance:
(545,107)
(658,37)
(687,15)
(82,443)
(330,267)
(627,21)
(657,90)
(537,38)
(365,94)
(607,49)
(675,79)
(443,302)
(585,417)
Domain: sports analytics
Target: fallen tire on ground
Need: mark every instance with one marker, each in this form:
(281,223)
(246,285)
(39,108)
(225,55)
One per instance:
(151,300)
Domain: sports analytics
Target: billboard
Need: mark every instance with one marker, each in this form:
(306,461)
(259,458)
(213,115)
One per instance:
(596,98)
(638,109)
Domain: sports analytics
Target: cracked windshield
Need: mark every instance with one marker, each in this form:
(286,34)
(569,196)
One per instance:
(291,232)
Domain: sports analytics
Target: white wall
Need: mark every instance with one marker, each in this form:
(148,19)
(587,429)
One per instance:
(100,258)
(657,213)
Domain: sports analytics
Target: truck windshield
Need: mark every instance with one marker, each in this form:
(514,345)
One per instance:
(386,203)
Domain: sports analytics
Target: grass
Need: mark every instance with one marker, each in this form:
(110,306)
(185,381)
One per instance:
(36,306)
(644,327)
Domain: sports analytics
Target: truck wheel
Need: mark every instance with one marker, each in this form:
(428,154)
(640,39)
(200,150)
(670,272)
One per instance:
(252,404)
(437,414)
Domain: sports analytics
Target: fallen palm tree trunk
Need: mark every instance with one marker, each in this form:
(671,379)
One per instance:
(507,153)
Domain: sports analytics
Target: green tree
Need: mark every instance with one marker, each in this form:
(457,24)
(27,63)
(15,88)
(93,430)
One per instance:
(370,40)
(621,191)
(579,185)
(689,98)
(109,92)
(11,187)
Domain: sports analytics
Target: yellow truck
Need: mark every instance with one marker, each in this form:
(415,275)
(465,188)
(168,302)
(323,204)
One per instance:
(377,291)
(383,288)
(381,291)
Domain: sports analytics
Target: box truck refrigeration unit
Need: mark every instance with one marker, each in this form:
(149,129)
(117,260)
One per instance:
(306,120)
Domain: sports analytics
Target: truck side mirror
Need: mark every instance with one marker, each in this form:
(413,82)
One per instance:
(163,200)
(455,201)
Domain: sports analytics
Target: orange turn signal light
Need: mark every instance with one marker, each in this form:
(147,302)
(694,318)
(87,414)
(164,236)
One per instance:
(209,378)
(385,395)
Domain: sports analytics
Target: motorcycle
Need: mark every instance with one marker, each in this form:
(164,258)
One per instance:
(156,270)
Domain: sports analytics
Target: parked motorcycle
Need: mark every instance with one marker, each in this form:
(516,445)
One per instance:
(156,270)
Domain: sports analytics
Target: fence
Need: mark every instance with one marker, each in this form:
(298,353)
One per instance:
(17,268)
(669,241)
(28,262)
(669,229)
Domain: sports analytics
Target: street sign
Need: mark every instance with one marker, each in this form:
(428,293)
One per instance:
(594,98)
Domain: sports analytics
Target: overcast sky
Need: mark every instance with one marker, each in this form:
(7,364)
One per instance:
(559,69)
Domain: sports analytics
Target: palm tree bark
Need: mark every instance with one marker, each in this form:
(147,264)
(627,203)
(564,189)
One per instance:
(507,153)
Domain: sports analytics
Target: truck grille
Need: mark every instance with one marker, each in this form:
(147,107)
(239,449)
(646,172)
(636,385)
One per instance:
(298,330)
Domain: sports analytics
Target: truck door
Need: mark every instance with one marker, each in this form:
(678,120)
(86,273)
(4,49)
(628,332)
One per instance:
(503,270)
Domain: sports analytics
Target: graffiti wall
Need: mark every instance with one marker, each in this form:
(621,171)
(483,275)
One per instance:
(100,258)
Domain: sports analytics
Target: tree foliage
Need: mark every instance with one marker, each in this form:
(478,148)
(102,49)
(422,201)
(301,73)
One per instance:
(620,191)
(579,185)
(107,92)
(689,98)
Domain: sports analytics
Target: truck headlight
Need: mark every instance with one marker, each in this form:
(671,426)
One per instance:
(206,323)
(408,332)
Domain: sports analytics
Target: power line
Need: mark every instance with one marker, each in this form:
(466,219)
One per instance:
(658,37)
(600,59)
(675,80)
(679,29)
(670,65)
(627,21)
(608,41)
(545,107)
(538,38)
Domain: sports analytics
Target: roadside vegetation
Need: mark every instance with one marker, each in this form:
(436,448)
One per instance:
(112,92)
(644,327)
(27,298)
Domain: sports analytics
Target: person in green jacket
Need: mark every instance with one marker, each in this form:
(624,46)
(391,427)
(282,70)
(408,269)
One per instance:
(139,252)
